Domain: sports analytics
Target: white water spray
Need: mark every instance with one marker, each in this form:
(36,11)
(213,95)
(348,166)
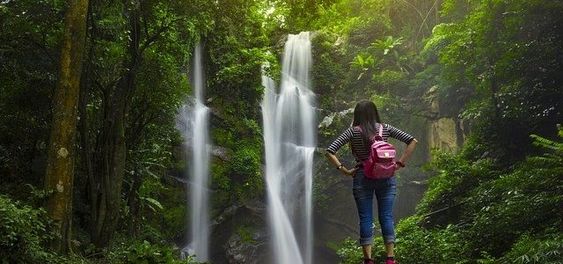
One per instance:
(290,139)
(195,118)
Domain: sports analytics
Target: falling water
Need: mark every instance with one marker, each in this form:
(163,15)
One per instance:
(195,118)
(290,138)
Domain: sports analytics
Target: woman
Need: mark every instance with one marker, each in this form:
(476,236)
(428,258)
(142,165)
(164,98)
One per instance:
(365,126)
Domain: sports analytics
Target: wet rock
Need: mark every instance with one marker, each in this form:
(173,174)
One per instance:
(246,248)
(241,235)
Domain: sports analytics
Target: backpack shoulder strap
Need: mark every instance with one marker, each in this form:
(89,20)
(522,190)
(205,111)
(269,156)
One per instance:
(381,130)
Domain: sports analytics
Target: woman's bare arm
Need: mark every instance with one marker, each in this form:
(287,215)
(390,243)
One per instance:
(408,151)
(334,160)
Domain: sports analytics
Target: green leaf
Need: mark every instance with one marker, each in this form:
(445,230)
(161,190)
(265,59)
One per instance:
(152,203)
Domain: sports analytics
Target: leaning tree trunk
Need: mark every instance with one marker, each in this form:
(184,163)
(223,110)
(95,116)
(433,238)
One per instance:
(60,164)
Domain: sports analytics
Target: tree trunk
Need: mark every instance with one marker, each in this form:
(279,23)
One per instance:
(84,125)
(112,153)
(60,163)
(133,201)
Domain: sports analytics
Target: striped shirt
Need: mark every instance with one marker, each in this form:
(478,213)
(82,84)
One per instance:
(353,136)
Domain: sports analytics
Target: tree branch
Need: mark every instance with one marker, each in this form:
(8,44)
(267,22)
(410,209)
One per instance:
(152,39)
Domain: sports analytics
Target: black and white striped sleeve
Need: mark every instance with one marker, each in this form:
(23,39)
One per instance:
(340,141)
(399,134)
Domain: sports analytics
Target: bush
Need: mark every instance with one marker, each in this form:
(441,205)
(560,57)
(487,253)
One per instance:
(448,189)
(416,244)
(536,249)
(24,231)
(244,169)
(350,252)
(525,200)
(143,252)
(498,216)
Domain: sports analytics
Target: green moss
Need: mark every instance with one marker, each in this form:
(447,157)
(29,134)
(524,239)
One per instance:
(246,234)
(245,169)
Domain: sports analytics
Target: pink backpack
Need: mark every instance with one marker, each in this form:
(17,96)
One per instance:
(381,161)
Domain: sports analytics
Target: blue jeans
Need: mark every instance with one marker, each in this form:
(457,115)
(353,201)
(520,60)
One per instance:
(385,191)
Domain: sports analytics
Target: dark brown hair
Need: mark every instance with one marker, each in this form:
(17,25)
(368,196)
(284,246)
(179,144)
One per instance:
(366,116)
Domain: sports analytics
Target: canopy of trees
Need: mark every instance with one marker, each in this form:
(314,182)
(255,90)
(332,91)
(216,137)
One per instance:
(494,66)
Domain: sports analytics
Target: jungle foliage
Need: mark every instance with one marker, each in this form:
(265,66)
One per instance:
(128,157)
(494,64)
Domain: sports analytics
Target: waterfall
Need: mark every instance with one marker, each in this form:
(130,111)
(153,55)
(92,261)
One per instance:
(195,118)
(290,139)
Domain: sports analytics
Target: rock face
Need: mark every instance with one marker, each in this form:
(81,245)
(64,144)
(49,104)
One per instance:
(246,248)
(241,235)
(444,132)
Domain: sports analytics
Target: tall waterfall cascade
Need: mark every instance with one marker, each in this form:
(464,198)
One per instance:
(194,117)
(290,138)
